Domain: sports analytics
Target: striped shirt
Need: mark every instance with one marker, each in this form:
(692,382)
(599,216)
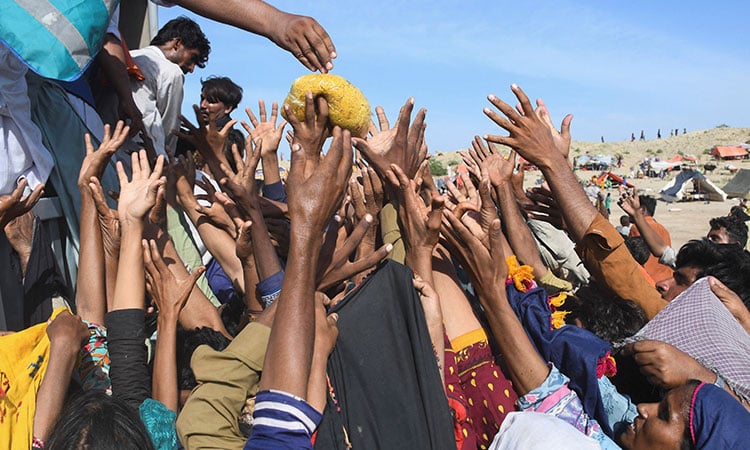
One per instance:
(282,421)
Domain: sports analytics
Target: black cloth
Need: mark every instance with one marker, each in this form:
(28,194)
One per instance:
(383,371)
(126,341)
(43,278)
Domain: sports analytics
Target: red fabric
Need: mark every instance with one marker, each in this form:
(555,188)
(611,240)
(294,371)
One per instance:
(481,386)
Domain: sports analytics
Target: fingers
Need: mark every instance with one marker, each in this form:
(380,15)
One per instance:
(404,116)
(382,118)
(528,109)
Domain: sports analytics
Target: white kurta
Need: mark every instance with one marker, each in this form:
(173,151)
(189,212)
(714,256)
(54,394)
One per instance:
(159,96)
(22,153)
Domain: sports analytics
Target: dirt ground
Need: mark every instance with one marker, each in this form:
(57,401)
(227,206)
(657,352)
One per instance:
(684,220)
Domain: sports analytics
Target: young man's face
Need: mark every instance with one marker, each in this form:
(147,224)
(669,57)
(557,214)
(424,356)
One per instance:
(680,281)
(213,110)
(184,57)
(719,236)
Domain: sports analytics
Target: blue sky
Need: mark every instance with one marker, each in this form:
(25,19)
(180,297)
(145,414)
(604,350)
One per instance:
(618,67)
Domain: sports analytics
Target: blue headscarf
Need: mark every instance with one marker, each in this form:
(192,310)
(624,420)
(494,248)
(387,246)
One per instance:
(574,351)
(717,420)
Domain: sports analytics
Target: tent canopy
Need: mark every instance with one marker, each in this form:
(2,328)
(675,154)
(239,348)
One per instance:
(733,152)
(691,185)
(739,186)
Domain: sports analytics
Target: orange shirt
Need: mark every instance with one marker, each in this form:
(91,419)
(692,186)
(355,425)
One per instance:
(657,271)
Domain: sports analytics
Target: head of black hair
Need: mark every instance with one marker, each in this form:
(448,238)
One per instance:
(97,420)
(187,342)
(648,204)
(739,212)
(221,89)
(729,263)
(736,228)
(624,220)
(190,35)
(604,313)
(234,137)
(638,248)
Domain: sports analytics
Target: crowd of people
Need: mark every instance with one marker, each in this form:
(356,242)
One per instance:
(346,302)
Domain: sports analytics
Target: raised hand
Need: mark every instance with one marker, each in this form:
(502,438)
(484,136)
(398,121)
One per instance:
(630,203)
(139,195)
(265,129)
(15,204)
(529,133)
(169,292)
(732,301)
(499,169)
(419,223)
(109,220)
(207,138)
(403,145)
(312,133)
(544,207)
(241,184)
(96,160)
(339,268)
(313,197)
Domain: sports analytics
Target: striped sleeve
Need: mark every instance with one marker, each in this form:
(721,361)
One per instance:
(282,421)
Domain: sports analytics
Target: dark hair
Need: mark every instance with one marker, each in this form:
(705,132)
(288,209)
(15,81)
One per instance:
(189,33)
(604,313)
(187,342)
(234,137)
(736,228)
(97,420)
(728,262)
(624,220)
(221,89)
(687,438)
(638,248)
(648,203)
(739,212)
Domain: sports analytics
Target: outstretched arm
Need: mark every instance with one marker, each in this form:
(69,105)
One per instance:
(312,201)
(301,36)
(632,205)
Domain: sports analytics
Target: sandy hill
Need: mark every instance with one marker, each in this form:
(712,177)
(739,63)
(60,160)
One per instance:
(696,143)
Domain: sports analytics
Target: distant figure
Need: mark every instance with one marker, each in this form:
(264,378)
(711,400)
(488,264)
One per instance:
(658,133)
(602,139)
(684,131)
(676,131)
(632,137)
(643,136)
(671,132)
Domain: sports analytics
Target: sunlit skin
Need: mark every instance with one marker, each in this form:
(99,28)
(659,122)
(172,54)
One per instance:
(660,425)
(680,281)
(184,57)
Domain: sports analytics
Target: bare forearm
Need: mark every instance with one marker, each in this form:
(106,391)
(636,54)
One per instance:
(655,243)
(270,169)
(130,287)
(250,273)
(578,211)
(526,368)
(164,380)
(290,346)
(519,235)
(90,287)
(267,261)
(54,387)
(254,16)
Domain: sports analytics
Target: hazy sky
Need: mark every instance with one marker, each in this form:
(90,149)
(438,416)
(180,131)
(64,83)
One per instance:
(618,67)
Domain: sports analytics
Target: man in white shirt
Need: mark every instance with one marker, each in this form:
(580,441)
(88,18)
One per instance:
(178,47)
